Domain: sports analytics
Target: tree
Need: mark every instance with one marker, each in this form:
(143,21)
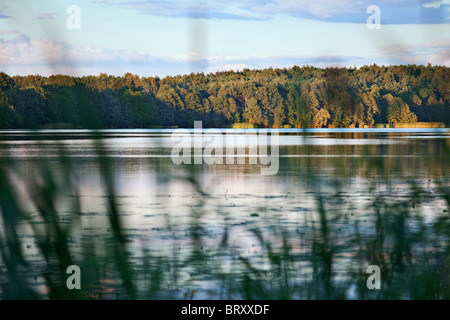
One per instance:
(141,109)
(252,113)
(321,118)
(305,97)
(399,111)
(6,112)
(5,81)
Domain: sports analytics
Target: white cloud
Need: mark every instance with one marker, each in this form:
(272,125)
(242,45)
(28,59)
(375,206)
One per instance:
(21,50)
(436,4)
(8,31)
(317,8)
(352,11)
(46,16)
(441,44)
(226,67)
(435,52)
(250,9)
(191,56)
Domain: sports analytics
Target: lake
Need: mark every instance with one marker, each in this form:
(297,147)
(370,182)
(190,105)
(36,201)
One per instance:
(114,203)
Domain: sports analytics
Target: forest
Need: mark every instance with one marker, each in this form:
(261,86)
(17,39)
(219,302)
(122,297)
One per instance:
(289,97)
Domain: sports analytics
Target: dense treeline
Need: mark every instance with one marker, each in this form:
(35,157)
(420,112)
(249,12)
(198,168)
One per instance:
(297,97)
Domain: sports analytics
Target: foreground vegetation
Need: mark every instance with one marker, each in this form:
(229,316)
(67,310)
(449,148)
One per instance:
(296,97)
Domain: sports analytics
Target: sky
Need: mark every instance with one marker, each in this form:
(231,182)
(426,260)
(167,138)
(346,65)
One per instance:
(166,37)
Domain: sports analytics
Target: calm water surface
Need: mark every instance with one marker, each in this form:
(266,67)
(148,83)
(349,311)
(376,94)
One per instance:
(320,213)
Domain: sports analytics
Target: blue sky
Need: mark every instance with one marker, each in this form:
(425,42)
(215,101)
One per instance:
(168,37)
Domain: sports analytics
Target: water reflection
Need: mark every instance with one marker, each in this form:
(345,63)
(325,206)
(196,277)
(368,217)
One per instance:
(141,227)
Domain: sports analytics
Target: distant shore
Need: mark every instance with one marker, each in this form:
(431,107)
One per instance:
(418,125)
(381,125)
(305,97)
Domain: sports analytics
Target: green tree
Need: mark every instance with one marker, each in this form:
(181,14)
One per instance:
(399,111)
(320,119)
(252,113)
(6,112)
